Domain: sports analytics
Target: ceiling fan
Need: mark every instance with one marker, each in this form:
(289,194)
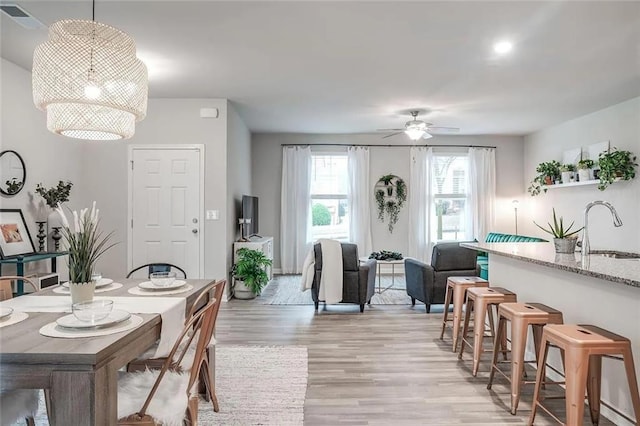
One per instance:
(418,129)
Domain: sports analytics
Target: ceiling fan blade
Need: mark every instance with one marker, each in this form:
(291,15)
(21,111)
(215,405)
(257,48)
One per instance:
(390,130)
(392,134)
(443,129)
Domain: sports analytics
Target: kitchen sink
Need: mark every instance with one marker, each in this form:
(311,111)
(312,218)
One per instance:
(615,254)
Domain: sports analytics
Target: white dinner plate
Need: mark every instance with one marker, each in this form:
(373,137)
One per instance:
(116,316)
(102,282)
(5,312)
(147,285)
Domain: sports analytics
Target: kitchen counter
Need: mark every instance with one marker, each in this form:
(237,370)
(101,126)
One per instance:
(604,292)
(623,271)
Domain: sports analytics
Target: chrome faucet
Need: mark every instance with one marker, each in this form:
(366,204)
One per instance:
(586,249)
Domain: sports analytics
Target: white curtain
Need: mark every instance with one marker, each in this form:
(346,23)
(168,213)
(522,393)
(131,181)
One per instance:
(482,192)
(420,203)
(358,199)
(295,220)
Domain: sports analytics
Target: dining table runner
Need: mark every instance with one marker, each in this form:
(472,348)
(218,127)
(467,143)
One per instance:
(171,309)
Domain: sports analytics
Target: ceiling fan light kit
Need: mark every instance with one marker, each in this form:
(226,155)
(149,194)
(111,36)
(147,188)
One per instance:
(418,129)
(88,79)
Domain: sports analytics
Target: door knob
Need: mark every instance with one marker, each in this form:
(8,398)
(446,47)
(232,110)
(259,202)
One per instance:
(195,231)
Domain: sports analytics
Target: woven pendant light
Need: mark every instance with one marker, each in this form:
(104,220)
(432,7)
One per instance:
(87,78)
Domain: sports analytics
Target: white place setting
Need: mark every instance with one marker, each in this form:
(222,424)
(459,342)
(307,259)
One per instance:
(161,284)
(103,285)
(91,319)
(8,316)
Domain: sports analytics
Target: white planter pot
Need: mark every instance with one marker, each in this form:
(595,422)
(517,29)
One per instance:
(82,292)
(567,177)
(565,245)
(241,291)
(585,175)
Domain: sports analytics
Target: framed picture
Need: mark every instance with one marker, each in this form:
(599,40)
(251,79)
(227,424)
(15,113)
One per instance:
(15,239)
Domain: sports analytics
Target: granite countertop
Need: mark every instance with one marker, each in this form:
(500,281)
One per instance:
(624,271)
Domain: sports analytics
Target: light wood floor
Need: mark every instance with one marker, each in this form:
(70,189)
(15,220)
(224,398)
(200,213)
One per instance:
(384,367)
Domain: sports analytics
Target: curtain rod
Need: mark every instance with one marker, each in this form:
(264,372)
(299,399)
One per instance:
(385,146)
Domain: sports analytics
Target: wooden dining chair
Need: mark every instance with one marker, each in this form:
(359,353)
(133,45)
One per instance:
(6,287)
(18,403)
(157,267)
(214,291)
(170,396)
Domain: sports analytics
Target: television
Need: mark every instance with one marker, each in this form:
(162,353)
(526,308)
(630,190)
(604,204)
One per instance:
(250,211)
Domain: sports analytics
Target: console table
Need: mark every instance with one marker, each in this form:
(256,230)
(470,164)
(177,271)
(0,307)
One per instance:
(19,261)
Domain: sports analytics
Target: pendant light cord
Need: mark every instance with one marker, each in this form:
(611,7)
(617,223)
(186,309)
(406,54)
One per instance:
(93,11)
(90,73)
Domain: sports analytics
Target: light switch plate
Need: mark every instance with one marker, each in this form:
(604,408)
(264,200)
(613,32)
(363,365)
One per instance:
(213,214)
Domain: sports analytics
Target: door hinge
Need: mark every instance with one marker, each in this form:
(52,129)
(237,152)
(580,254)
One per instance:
(131,164)
(132,223)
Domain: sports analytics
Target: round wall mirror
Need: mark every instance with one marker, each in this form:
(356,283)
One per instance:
(13,173)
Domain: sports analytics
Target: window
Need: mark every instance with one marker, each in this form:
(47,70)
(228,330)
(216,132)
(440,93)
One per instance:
(449,212)
(329,185)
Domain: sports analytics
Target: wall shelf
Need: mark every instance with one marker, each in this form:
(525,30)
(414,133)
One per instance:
(565,185)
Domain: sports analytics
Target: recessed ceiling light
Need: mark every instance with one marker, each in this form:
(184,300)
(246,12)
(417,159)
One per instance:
(503,47)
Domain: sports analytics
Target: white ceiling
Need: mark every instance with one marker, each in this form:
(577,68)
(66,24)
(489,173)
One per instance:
(347,67)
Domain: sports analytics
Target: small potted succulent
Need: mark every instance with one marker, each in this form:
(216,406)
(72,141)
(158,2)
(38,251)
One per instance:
(616,164)
(564,239)
(585,171)
(567,171)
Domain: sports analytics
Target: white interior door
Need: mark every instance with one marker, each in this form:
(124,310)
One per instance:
(165,205)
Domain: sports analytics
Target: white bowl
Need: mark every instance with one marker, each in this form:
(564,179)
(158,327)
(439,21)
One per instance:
(92,311)
(162,279)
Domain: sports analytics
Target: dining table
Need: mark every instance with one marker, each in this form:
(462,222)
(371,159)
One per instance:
(80,373)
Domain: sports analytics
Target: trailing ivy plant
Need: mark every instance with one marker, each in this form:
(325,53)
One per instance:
(550,169)
(390,193)
(615,164)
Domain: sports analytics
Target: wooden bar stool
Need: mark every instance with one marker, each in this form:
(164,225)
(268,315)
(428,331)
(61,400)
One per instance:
(584,346)
(456,291)
(521,315)
(480,300)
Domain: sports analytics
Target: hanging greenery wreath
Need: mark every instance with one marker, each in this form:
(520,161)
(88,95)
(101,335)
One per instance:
(390,192)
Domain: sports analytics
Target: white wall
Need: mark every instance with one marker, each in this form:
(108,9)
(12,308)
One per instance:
(619,124)
(48,157)
(267,175)
(238,177)
(99,169)
(170,122)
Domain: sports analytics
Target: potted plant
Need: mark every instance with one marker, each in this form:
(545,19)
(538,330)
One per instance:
(567,171)
(55,195)
(85,244)
(390,193)
(585,170)
(249,273)
(563,238)
(615,164)
(548,173)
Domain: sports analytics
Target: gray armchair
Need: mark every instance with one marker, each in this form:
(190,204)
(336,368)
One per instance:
(358,280)
(428,283)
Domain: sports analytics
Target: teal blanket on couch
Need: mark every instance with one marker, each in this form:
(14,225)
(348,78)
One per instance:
(495,237)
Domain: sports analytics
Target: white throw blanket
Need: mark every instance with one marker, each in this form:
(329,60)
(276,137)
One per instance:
(331,283)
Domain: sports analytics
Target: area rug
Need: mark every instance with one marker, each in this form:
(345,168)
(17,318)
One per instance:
(285,290)
(256,385)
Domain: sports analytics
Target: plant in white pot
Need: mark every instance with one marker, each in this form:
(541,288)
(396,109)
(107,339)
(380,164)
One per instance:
(250,273)
(585,171)
(567,171)
(564,239)
(85,243)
